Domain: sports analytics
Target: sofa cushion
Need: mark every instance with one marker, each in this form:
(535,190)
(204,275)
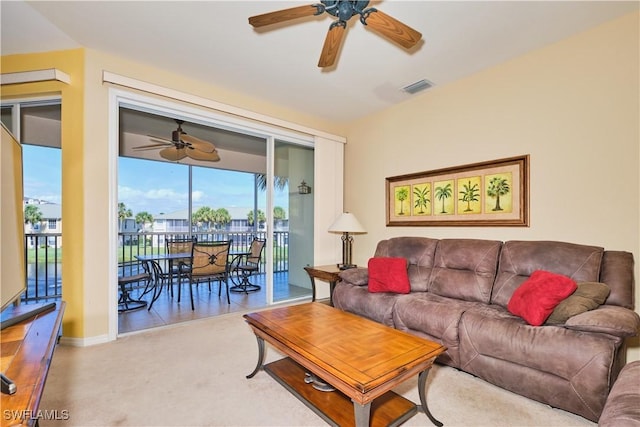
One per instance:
(588,296)
(519,259)
(358,300)
(432,317)
(536,298)
(419,253)
(356,276)
(465,269)
(388,275)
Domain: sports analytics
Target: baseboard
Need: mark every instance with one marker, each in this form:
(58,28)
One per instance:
(84,342)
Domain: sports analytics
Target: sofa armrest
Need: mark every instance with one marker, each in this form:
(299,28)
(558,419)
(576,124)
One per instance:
(358,276)
(608,319)
(621,408)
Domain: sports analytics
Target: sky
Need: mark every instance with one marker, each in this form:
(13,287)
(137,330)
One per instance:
(151,186)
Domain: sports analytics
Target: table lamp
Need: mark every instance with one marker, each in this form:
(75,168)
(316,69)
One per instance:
(345,224)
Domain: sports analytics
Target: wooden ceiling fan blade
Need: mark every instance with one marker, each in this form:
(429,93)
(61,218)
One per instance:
(392,29)
(199,144)
(173,154)
(159,138)
(150,146)
(284,15)
(332,44)
(201,155)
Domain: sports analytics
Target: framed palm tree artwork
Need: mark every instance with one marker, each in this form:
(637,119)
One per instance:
(491,193)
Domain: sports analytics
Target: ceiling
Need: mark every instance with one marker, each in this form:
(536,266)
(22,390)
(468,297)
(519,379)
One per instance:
(212,41)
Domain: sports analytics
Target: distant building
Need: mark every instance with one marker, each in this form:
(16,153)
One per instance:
(51,223)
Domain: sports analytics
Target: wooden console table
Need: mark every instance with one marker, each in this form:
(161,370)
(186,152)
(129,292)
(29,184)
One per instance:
(27,349)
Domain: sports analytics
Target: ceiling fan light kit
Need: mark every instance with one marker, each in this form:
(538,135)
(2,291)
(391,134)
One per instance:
(344,10)
(182,145)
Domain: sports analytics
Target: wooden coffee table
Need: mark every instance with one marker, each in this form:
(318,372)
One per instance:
(361,358)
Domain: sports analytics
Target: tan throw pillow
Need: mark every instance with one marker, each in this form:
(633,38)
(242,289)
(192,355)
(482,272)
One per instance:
(588,296)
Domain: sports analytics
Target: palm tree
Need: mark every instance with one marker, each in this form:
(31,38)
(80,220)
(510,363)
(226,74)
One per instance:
(401,194)
(32,215)
(279,182)
(422,198)
(204,215)
(123,213)
(261,217)
(221,217)
(498,187)
(470,194)
(279,213)
(143,218)
(443,193)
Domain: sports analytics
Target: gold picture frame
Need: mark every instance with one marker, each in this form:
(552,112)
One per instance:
(492,193)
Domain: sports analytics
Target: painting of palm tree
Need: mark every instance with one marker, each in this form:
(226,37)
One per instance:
(402,194)
(499,186)
(444,191)
(422,199)
(469,201)
(490,193)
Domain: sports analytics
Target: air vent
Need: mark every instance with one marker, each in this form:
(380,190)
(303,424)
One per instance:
(418,86)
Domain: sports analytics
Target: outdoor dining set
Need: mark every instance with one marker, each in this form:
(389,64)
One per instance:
(186,260)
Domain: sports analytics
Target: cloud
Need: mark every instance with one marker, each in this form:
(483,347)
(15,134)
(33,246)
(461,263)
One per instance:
(153,200)
(196,196)
(164,193)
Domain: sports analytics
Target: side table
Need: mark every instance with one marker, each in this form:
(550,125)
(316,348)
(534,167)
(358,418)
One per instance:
(327,273)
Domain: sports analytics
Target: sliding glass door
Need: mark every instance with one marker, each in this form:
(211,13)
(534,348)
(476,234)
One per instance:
(292,221)
(252,191)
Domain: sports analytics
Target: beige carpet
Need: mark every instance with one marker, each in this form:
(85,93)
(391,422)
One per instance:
(193,374)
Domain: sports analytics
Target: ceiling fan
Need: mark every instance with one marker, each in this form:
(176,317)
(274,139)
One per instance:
(344,10)
(182,145)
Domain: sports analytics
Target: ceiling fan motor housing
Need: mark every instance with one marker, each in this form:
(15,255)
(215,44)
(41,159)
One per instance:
(344,9)
(175,135)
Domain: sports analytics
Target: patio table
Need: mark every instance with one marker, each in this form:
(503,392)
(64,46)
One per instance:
(155,258)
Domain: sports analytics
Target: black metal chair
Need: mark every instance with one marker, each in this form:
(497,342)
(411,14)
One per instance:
(248,265)
(210,262)
(125,301)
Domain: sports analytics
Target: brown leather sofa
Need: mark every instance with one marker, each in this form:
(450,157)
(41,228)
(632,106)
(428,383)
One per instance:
(460,289)
(623,404)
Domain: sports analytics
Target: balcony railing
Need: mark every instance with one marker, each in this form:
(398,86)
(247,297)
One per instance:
(43,255)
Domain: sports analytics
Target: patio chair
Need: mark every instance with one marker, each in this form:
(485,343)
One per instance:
(210,262)
(125,301)
(180,267)
(249,265)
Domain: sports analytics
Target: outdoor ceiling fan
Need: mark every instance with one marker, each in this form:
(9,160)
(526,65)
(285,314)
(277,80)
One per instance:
(182,145)
(344,10)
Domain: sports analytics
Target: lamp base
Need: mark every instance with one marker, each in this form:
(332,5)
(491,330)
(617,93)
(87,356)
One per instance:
(346,266)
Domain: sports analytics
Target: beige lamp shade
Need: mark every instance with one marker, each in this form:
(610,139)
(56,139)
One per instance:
(347,223)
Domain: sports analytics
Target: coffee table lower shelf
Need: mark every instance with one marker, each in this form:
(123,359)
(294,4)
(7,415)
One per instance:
(334,407)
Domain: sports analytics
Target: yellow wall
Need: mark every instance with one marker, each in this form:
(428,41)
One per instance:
(573,106)
(73,185)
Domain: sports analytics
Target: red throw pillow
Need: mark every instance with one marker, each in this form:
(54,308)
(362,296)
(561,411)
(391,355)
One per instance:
(388,275)
(536,298)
